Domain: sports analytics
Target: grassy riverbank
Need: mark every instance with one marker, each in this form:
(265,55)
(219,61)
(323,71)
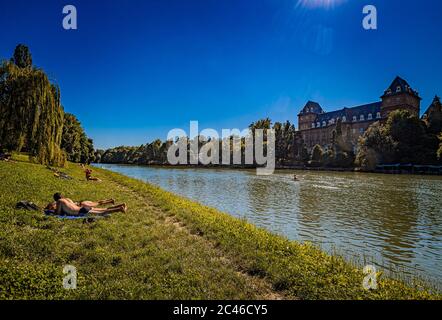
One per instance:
(166,247)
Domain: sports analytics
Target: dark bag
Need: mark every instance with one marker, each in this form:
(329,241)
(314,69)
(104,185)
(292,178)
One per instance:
(26,205)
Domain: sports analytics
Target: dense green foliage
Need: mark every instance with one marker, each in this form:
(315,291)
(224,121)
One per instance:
(166,247)
(31,114)
(78,146)
(439,152)
(156,151)
(32,118)
(317,156)
(403,139)
(22,57)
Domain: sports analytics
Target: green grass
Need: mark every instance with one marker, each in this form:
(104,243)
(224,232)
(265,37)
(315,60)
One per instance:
(166,247)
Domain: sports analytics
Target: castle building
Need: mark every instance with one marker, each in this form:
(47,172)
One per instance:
(316,126)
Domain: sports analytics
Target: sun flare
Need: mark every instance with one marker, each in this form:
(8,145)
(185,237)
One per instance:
(327,4)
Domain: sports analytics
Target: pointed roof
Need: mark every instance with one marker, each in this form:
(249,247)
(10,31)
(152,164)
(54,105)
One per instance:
(399,86)
(436,104)
(311,107)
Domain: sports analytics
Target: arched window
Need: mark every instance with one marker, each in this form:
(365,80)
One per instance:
(378,115)
(354,118)
(398,89)
(362,118)
(370,116)
(344,119)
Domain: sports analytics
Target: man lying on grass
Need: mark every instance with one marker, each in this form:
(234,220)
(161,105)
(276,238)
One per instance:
(67,207)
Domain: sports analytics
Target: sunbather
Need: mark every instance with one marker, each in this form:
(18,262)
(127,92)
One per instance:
(89,177)
(85,203)
(65,206)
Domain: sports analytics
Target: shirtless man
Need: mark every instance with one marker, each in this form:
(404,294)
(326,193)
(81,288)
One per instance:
(85,203)
(89,177)
(65,206)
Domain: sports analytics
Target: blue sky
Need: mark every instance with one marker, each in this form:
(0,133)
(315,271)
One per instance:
(136,69)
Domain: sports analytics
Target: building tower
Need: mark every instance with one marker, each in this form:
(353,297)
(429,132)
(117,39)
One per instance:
(400,96)
(308,115)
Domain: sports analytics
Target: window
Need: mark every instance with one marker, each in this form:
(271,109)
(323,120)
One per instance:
(354,118)
(362,118)
(324,123)
(378,115)
(361,130)
(344,119)
(370,116)
(398,89)
(318,124)
(313,125)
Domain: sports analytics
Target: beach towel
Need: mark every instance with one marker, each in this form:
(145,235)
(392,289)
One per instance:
(51,213)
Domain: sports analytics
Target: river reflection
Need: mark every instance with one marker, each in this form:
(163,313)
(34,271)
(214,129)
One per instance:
(393,221)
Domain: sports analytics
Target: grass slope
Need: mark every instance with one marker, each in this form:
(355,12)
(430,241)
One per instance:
(166,247)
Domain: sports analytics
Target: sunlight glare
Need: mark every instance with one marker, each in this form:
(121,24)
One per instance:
(326,4)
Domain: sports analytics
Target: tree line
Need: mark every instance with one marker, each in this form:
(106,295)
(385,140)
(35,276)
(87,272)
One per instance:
(403,138)
(32,118)
(156,152)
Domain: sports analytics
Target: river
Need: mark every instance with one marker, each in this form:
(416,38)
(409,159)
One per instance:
(393,221)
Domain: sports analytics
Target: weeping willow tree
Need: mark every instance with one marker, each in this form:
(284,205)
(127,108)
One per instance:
(31,115)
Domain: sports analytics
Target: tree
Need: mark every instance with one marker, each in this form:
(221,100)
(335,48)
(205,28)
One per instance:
(439,152)
(341,155)
(22,57)
(31,115)
(403,139)
(317,156)
(413,143)
(285,140)
(375,147)
(305,156)
(78,147)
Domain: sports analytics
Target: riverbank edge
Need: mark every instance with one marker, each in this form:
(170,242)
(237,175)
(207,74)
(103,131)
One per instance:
(300,270)
(281,168)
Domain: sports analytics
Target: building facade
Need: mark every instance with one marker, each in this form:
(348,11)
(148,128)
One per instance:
(316,126)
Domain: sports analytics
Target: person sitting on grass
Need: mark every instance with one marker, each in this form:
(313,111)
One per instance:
(67,207)
(89,175)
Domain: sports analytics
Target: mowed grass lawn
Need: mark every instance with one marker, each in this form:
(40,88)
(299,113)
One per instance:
(165,247)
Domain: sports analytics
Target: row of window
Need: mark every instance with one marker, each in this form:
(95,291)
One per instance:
(344,119)
(399,89)
(311,141)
